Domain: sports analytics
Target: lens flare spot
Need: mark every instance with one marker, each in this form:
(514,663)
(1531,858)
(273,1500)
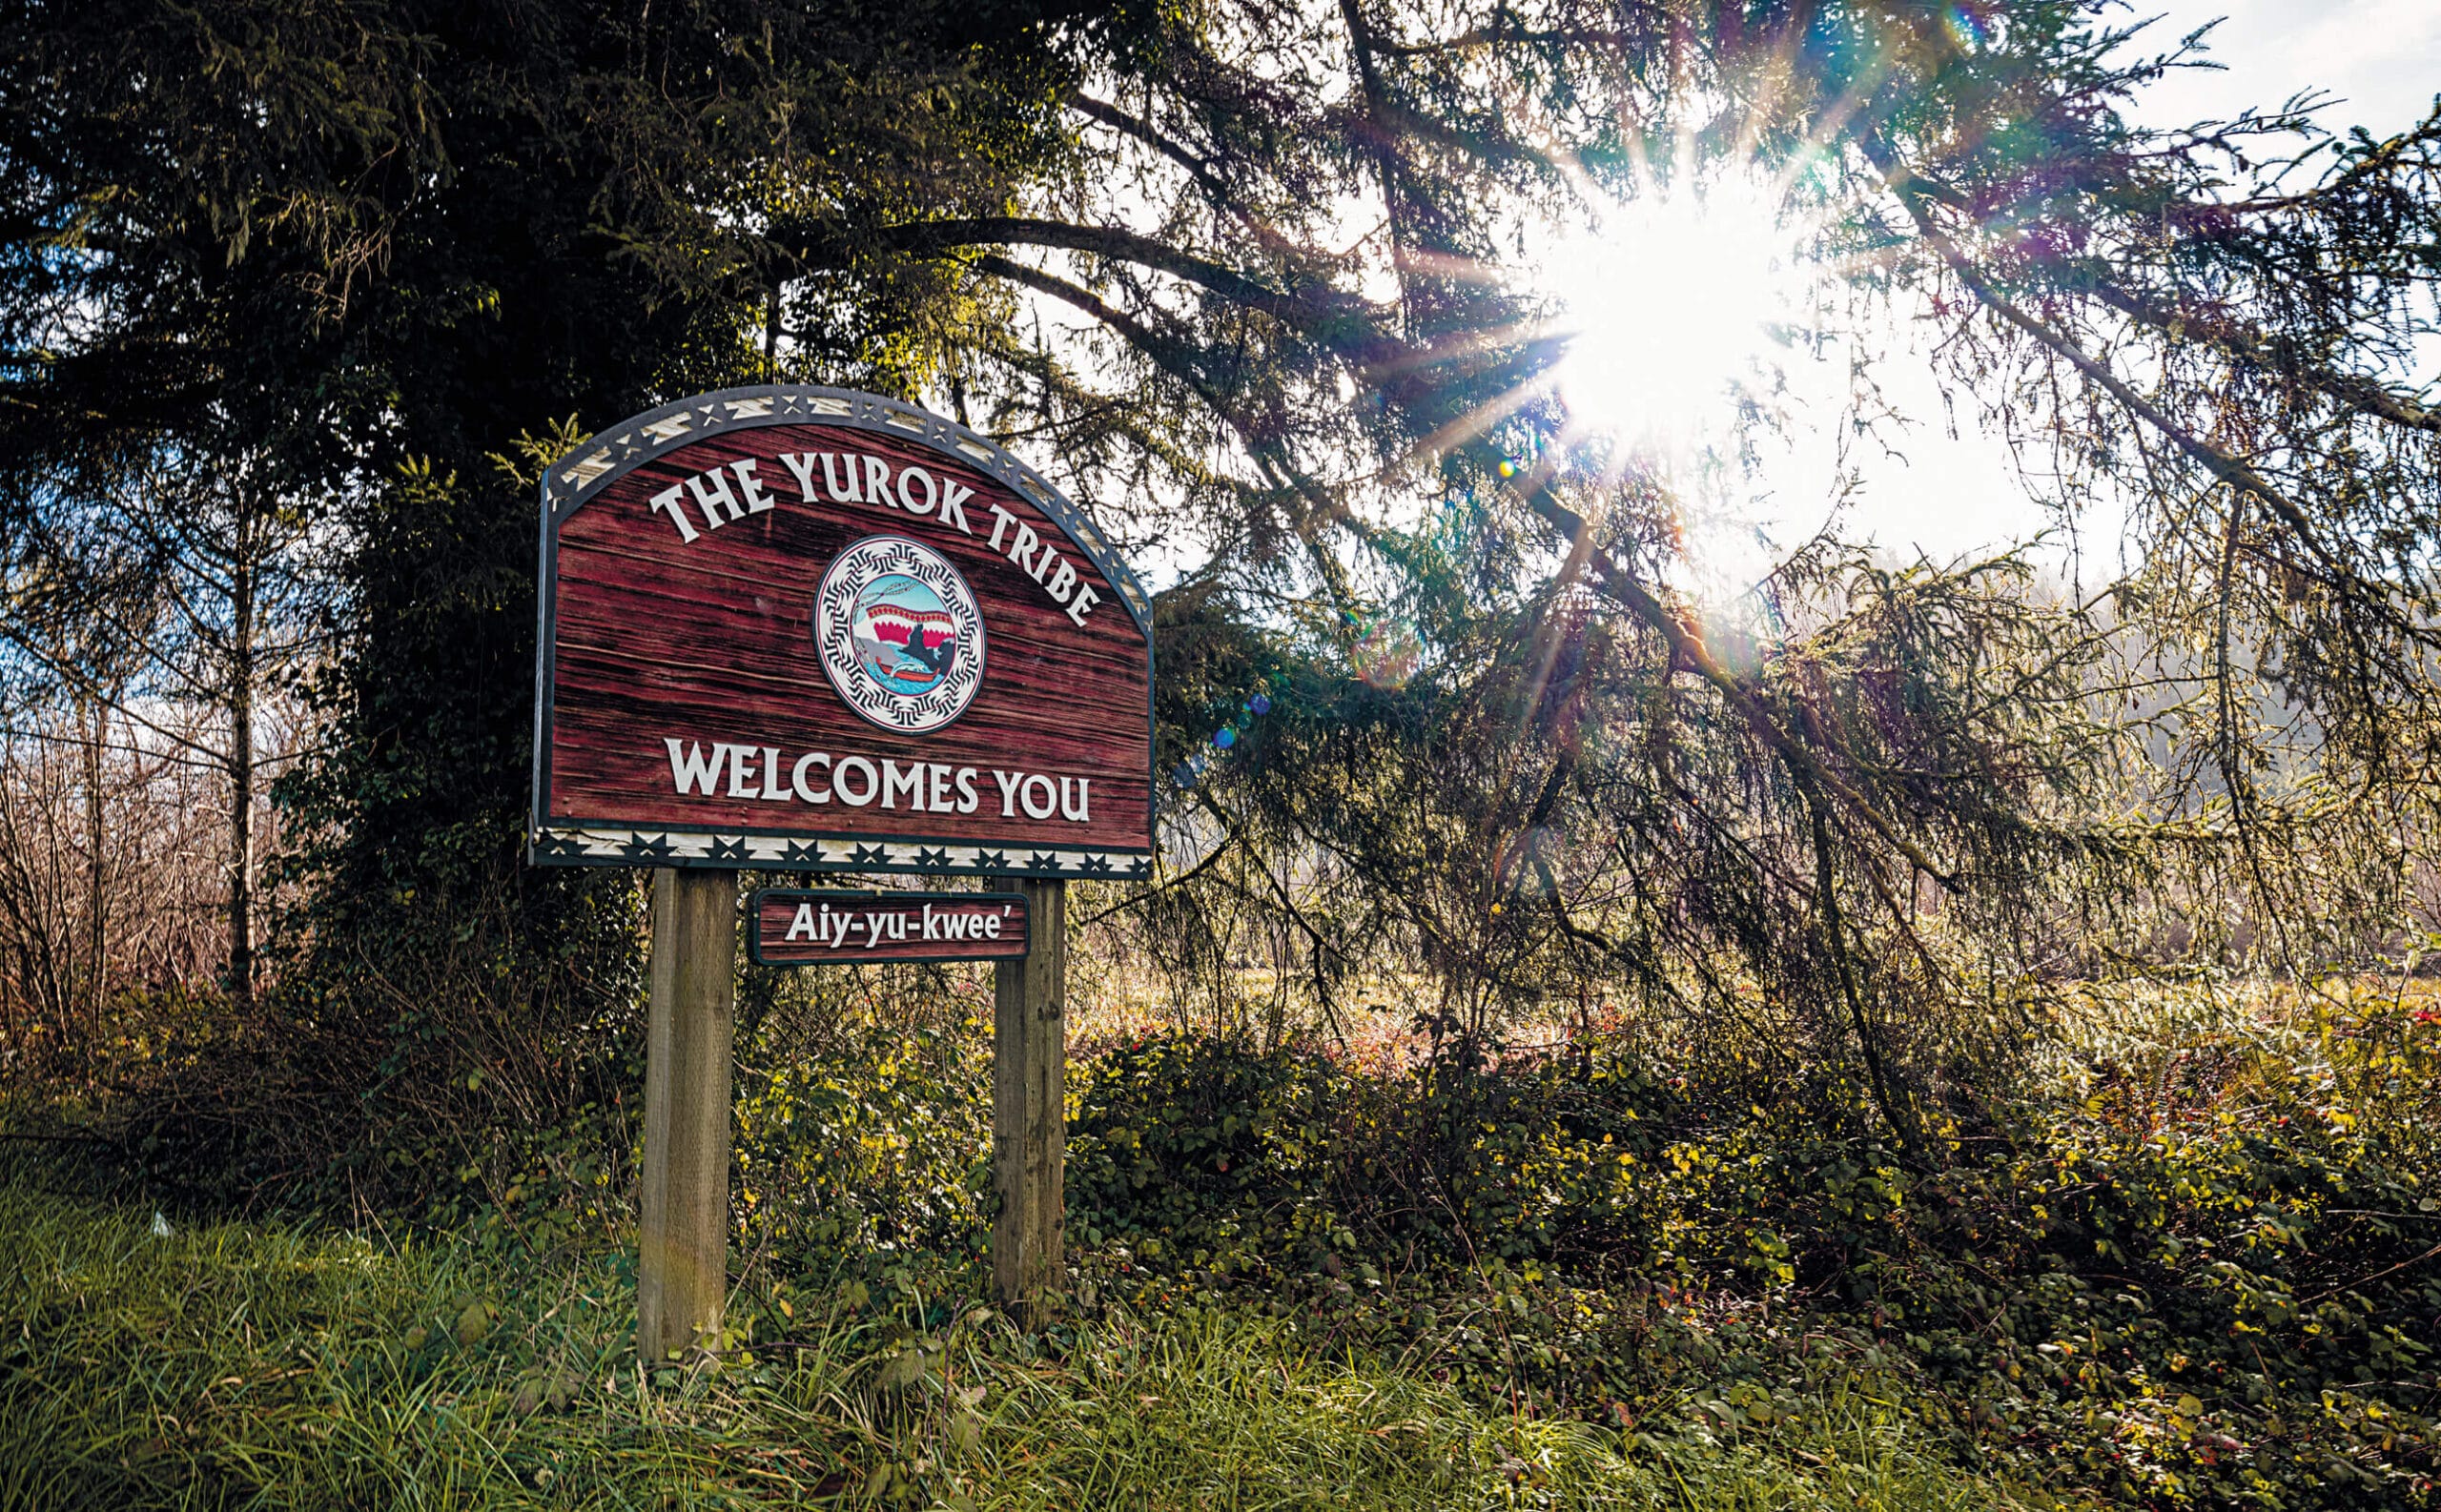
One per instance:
(1387,655)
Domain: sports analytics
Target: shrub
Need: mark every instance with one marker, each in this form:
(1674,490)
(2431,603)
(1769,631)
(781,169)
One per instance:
(2196,1266)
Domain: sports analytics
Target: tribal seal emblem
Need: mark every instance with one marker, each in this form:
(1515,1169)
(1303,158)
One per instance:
(900,634)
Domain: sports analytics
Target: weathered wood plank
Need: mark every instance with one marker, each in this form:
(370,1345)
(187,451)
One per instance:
(1029,1111)
(682,1269)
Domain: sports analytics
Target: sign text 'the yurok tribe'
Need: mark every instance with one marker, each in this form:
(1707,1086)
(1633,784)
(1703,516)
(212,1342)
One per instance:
(798,629)
(863,477)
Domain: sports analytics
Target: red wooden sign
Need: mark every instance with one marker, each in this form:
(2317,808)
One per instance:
(798,927)
(811,630)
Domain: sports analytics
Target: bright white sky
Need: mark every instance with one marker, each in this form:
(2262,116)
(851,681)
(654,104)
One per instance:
(2382,56)
(1952,496)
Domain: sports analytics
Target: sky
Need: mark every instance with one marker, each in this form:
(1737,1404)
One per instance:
(1953,495)
(2384,57)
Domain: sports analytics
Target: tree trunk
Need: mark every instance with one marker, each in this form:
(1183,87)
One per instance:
(96,925)
(241,778)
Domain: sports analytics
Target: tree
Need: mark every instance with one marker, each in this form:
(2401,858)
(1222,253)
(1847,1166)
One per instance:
(386,250)
(2170,314)
(372,257)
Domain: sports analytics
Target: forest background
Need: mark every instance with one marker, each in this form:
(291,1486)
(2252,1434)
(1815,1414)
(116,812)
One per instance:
(1683,994)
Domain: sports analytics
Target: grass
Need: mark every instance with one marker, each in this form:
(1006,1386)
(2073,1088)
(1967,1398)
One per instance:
(260,1366)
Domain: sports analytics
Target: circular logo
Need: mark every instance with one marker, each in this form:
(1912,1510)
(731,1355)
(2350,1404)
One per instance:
(900,634)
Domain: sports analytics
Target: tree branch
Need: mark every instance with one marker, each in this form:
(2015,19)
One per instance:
(933,237)
(1686,649)
(1914,191)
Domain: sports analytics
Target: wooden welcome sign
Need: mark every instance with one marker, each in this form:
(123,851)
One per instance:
(810,630)
(800,629)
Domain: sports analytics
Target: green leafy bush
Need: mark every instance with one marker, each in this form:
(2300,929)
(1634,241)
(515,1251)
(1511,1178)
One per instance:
(876,1149)
(1284,1161)
(2196,1266)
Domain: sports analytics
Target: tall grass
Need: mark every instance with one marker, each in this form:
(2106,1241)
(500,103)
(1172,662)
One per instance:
(237,1365)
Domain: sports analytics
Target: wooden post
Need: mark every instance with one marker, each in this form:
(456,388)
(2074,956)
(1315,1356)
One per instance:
(1029,1113)
(682,1270)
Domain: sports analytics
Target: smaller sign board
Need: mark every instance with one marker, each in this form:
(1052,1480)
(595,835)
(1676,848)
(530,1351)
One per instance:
(808,926)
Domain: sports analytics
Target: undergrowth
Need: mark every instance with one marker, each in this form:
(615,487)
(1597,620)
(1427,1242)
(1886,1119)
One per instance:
(2197,1265)
(2192,1260)
(265,1366)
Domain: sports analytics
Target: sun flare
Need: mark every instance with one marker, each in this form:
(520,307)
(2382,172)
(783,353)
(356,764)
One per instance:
(1670,302)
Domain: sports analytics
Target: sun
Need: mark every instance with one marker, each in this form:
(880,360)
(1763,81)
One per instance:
(1669,303)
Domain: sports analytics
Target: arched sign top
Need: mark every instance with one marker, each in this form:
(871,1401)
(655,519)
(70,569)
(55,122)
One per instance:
(612,454)
(806,629)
